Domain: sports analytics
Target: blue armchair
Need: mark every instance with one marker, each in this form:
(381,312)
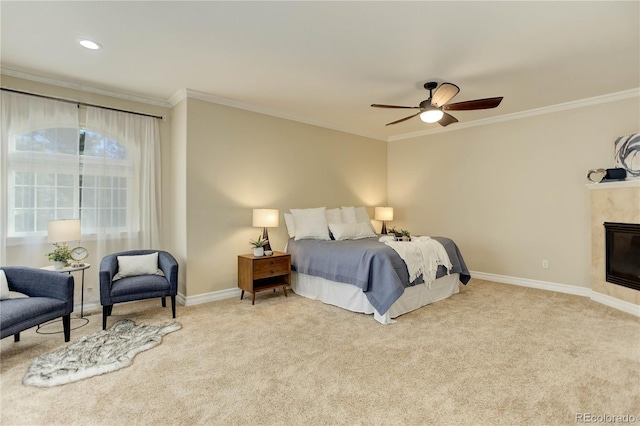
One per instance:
(50,297)
(137,287)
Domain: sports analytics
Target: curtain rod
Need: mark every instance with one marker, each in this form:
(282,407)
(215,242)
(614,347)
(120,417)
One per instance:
(161,117)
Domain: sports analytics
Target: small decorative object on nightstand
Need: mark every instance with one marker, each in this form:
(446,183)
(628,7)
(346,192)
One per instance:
(258,246)
(256,274)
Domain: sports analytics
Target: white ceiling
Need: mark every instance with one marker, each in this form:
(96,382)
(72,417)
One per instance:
(326,62)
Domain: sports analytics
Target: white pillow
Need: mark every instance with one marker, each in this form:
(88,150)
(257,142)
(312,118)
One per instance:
(333,216)
(351,231)
(363,216)
(348,215)
(143,264)
(291,225)
(5,293)
(311,224)
(4,286)
(356,215)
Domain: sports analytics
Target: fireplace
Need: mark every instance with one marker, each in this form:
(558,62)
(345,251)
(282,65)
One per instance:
(622,242)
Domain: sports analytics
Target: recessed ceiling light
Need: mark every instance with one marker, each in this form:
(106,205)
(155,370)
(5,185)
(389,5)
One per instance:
(90,44)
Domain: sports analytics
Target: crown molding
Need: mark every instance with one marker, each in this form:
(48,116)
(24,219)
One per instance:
(181,94)
(82,87)
(178,96)
(194,94)
(612,97)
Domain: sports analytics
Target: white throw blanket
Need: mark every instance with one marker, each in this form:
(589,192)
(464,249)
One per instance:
(422,256)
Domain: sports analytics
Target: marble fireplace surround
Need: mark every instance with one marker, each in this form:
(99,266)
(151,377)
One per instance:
(612,202)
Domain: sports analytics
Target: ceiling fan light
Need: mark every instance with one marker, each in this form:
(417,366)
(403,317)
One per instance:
(431,115)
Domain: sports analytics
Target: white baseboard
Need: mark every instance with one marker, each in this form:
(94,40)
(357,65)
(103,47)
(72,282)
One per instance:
(525,282)
(612,302)
(181,299)
(618,304)
(92,306)
(604,299)
(209,297)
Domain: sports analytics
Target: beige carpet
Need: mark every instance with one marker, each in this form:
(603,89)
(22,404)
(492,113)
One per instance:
(493,354)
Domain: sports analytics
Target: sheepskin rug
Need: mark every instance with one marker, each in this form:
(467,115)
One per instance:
(97,353)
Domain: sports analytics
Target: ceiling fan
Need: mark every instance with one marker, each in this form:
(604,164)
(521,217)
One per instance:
(433,109)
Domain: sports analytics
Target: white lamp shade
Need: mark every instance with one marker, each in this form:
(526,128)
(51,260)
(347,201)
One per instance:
(61,231)
(266,218)
(384,213)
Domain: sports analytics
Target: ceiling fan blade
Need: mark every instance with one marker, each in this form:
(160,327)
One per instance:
(447,119)
(391,106)
(404,119)
(475,104)
(444,94)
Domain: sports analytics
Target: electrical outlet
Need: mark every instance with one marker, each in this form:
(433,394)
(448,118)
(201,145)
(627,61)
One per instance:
(545,264)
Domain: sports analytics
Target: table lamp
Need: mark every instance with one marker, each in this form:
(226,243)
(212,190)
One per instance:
(384,214)
(266,218)
(61,231)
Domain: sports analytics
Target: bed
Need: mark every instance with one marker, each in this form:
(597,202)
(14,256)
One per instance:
(368,276)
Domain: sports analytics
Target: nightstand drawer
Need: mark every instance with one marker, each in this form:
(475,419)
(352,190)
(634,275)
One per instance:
(264,268)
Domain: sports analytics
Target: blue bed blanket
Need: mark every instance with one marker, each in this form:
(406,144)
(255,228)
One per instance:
(367,263)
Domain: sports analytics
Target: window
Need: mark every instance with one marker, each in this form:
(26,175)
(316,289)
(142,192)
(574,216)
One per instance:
(55,173)
(39,198)
(104,182)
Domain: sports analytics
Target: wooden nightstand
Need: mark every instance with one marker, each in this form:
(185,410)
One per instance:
(256,274)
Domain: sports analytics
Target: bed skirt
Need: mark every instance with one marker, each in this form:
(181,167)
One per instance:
(352,298)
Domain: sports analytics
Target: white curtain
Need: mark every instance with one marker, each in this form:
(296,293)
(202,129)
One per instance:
(121,169)
(38,164)
(108,176)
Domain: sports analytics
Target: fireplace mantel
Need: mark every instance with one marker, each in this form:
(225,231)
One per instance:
(627,183)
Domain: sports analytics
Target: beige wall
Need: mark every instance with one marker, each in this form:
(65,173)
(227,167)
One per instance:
(510,194)
(513,193)
(217,164)
(239,160)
